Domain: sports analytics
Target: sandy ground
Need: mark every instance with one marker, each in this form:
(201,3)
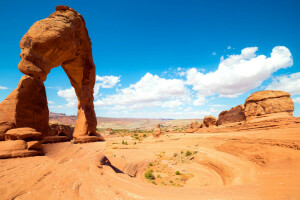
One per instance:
(236,165)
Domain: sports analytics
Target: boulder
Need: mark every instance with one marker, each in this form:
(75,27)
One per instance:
(13,145)
(23,134)
(34,145)
(268,102)
(194,126)
(235,114)
(209,121)
(61,130)
(157,131)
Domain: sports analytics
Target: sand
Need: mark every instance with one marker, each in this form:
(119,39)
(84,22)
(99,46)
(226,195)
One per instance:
(260,164)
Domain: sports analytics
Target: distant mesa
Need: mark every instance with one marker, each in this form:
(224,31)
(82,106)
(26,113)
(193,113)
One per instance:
(59,40)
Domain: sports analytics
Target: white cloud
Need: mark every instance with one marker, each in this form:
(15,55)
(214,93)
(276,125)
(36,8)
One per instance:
(150,91)
(289,83)
(229,47)
(101,82)
(296,100)
(3,88)
(51,102)
(214,53)
(200,100)
(70,96)
(107,81)
(238,74)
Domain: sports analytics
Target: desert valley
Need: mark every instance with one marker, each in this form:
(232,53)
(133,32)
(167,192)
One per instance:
(251,151)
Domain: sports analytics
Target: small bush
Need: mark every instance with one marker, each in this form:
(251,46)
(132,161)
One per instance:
(171,181)
(135,134)
(158,176)
(177,173)
(188,153)
(144,135)
(151,164)
(175,154)
(149,175)
(123,142)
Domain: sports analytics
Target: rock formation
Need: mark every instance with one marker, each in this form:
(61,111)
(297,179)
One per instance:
(59,133)
(209,121)
(235,114)
(194,126)
(59,40)
(268,102)
(157,131)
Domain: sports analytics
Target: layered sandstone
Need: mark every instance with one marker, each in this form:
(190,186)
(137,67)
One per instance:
(268,102)
(235,114)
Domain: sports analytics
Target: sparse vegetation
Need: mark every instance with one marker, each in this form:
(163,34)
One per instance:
(177,173)
(149,175)
(188,153)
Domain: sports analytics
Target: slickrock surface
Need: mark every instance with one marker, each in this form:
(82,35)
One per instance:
(257,164)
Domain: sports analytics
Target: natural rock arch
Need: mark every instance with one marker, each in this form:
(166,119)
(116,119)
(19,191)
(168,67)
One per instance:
(59,40)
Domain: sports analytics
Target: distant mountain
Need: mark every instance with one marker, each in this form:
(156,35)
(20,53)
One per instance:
(123,123)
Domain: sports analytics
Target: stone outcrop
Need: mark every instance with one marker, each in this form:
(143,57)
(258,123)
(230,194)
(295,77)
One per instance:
(194,126)
(26,106)
(209,121)
(59,40)
(268,102)
(235,114)
(157,131)
(59,133)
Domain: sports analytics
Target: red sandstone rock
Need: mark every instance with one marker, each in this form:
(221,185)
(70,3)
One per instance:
(235,114)
(157,131)
(26,106)
(209,121)
(61,130)
(34,145)
(13,145)
(194,126)
(264,103)
(23,134)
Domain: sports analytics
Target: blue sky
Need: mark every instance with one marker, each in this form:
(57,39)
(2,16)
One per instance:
(168,59)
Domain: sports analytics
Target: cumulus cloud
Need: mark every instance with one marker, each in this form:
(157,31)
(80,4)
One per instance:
(241,73)
(51,102)
(70,96)
(296,100)
(3,88)
(150,91)
(289,83)
(107,81)
(101,82)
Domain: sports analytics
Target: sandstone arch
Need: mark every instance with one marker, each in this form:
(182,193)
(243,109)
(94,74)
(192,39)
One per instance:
(59,40)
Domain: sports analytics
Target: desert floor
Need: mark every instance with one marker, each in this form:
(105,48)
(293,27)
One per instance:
(261,164)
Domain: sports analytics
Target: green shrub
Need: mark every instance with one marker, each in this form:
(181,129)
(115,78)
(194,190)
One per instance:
(188,153)
(149,175)
(151,164)
(175,154)
(177,173)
